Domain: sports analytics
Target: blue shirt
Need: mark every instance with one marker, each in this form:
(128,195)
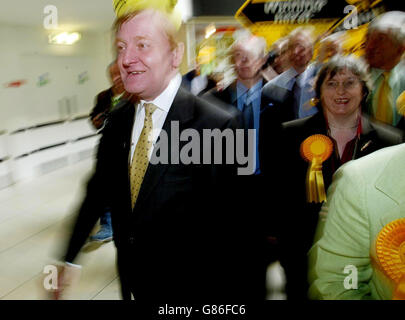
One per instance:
(255,94)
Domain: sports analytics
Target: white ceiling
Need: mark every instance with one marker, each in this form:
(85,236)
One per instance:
(78,15)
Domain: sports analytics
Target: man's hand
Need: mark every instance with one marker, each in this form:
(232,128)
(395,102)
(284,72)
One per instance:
(98,120)
(67,276)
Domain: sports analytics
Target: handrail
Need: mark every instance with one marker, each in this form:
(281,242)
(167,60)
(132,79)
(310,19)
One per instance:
(50,123)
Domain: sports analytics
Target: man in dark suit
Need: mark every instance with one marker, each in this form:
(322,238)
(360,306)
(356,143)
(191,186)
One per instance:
(244,99)
(175,228)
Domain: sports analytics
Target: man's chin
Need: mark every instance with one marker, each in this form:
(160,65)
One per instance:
(135,90)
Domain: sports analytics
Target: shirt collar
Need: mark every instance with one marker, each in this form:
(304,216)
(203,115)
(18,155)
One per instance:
(285,79)
(241,88)
(165,99)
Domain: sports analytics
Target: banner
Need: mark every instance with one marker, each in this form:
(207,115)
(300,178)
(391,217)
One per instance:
(274,19)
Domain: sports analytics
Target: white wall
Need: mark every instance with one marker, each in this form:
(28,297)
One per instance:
(25,54)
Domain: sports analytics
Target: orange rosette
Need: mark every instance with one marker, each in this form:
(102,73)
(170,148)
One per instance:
(390,247)
(316,149)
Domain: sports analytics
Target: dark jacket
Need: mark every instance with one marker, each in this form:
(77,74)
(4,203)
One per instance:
(258,192)
(183,240)
(189,76)
(103,103)
(270,117)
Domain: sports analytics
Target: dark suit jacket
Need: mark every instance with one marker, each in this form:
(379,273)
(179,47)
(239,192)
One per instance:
(270,117)
(189,76)
(183,239)
(258,192)
(282,100)
(296,223)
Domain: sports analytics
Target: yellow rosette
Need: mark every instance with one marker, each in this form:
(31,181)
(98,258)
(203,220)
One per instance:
(390,247)
(316,149)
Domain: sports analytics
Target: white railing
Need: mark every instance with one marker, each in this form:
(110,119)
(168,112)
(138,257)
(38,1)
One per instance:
(33,151)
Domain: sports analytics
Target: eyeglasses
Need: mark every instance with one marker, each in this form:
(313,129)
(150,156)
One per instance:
(347,85)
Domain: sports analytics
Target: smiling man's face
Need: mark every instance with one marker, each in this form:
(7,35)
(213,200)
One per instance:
(146,58)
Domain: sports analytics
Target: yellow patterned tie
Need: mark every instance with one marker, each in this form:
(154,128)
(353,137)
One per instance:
(384,105)
(140,160)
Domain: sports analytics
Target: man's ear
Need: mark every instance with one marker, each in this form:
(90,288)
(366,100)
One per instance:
(178,53)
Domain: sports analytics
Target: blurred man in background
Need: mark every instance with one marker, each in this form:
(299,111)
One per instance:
(244,95)
(281,62)
(108,99)
(292,90)
(105,103)
(244,98)
(384,47)
(329,46)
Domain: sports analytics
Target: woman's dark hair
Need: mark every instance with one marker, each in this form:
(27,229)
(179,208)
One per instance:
(339,63)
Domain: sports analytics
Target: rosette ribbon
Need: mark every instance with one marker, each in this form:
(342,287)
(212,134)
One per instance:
(316,149)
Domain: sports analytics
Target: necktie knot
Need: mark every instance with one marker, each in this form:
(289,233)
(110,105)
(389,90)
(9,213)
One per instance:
(149,109)
(296,80)
(249,97)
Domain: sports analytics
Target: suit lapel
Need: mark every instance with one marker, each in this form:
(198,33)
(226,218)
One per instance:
(366,142)
(392,179)
(231,95)
(126,124)
(181,110)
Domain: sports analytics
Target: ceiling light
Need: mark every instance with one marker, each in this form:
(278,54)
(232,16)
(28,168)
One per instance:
(64,38)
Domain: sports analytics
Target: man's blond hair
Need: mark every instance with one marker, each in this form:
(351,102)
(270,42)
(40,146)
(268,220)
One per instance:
(167,25)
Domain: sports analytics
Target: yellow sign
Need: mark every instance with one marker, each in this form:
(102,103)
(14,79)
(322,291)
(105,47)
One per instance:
(274,19)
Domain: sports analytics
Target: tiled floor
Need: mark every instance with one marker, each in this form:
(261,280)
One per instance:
(35,219)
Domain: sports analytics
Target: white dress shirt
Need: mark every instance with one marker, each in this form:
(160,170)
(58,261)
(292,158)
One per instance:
(163,103)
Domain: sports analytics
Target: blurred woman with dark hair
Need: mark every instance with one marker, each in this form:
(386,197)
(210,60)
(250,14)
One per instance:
(312,149)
